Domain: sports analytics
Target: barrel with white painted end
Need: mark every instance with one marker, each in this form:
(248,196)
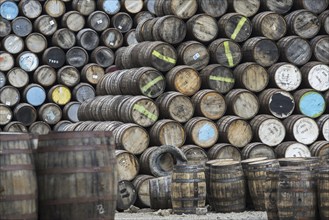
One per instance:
(202,28)
(54,8)
(285,76)
(292,149)
(246,8)
(310,103)
(316,76)
(193,54)
(323,123)
(224,151)
(257,150)
(269,24)
(320,48)
(235,26)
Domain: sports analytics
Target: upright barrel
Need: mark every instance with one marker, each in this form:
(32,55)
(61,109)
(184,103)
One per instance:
(322,192)
(160,192)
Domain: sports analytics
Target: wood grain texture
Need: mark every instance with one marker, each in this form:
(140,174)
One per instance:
(257,150)
(224,151)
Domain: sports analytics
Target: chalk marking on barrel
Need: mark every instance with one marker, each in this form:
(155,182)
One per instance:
(238,28)
(151,83)
(163,57)
(223,79)
(145,112)
(228,53)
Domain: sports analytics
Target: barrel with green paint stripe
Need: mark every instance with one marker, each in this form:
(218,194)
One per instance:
(310,103)
(235,26)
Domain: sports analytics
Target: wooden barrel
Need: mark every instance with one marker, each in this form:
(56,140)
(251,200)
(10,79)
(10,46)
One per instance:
(15,126)
(92,73)
(270,25)
(160,192)
(21,26)
(302,129)
(280,7)
(251,76)
(292,149)
(34,94)
(316,76)
(84,7)
(142,186)
(167,132)
(324,21)
(110,7)
(256,175)
(107,125)
(28,61)
(9,10)
(183,9)
(202,28)
(218,78)
(145,28)
(73,20)
(68,76)
(50,113)
(176,106)
(9,96)
(5,27)
(195,154)
(98,20)
(127,195)
(277,102)
(183,79)
(320,48)
(103,56)
(261,50)
(133,6)
(39,128)
(46,25)
(77,57)
(6,114)
(310,163)
(64,38)
(193,54)
(17,77)
(13,44)
(310,103)
(323,123)
(268,129)
(54,57)
(130,38)
(230,128)
(170,29)
(36,43)
(271,185)
(224,151)
(235,26)
(296,194)
(242,103)
(59,94)
(54,8)
(132,138)
(7,61)
(320,149)
(257,149)
(25,113)
(201,131)
(17,167)
(322,190)
(317,8)
(70,111)
(303,23)
(285,76)
(225,52)
(213,8)
(59,126)
(97,152)
(246,8)
(88,39)
(127,165)
(142,15)
(188,189)
(44,75)
(3,79)
(227,186)
(209,103)
(122,21)
(112,38)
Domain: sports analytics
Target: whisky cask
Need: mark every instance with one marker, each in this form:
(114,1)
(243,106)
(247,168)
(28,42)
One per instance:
(36,42)
(45,25)
(224,151)
(15,126)
(21,26)
(7,61)
(92,73)
(122,21)
(88,39)
(64,38)
(184,9)
(126,195)
(127,165)
(317,8)
(17,77)
(50,113)
(280,7)
(323,123)
(322,188)
(246,8)
(73,20)
(77,57)
(285,76)
(68,76)
(213,8)
(112,38)
(193,54)
(235,26)
(225,52)
(28,61)
(44,75)
(10,96)
(320,48)
(59,94)
(110,7)
(34,94)
(54,9)
(6,115)
(5,27)
(39,128)
(25,113)
(84,7)
(320,149)
(142,186)
(324,21)
(316,76)
(133,6)
(257,150)
(54,57)
(292,149)
(130,38)
(13,44)
(202,28)
(103,56)
(195,154)
(9,10)
(309,103)
(160,190)
(70,111)
(2,79)
(98,20)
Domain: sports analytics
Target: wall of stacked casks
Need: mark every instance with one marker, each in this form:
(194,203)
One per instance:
(173,80)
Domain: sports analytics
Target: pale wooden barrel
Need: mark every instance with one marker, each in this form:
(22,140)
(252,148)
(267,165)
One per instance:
(320,48)
(202,28)
(246,8)
(7,61)
(36,42)
(323,123)
(218,78)
(292,149)
(310,103)
(142,185)
(25,113)
(316,76)
(50,113)
(257,150)
(13,44)
(160,189)
(17,77)
(6,114)
(184,9)
(251,76)
(84,7)
(224,151)
(209,103)
(322,189)
(133,6)
(235,26)
(98,20)
(213,8)
(193,54)
(285,76)
(45,25)
(280,7)
(9,96)
(277,102)
(167,132)
(201,131)
(54,8)
(195,154)
(92,73)
(268,129)
(127,165)
(68,76)
(45,75)
(176,106)
(64,38)
(112,38)
(30,9)
(242,103)
(73,20)
(320,149)
(230,128)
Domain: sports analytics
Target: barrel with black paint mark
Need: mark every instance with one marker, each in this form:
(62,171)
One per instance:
(257,150)
(25,113)
(320,48)
(323,123)
(277,102)
(316,76)
(202,28)
(54,57)
(310,103)
(246,8)
(292,149)
(224,151)
(126,195)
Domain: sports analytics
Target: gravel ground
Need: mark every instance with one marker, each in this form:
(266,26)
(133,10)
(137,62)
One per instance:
(147,214)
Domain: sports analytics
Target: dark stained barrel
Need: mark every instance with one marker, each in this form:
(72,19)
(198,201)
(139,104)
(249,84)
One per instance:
(285,76)
(256,150)
(97,152)
(194,54)
(70,111)
(224,151)
(246,8)
(316,76)
(310,103)
(324,21)
(122,21)
(213,8)
(126,195)
(112,38)
(103,56)
(320,48)
(25,113)
(64,38)
(39,128)
(160,190)
(98,20)
(88,39)
(73,20)
(316,8)
(235,26)
(36,42)
(202,28)
(54,57)
(77,57)
(17,168)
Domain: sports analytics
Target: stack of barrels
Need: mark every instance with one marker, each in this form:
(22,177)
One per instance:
(174,81)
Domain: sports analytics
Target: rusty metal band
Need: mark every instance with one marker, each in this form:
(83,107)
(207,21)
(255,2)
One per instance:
(69,135)
(16,151)
(18,197)
(32,216)
(17,167)
(77,200)
(50,171)
(72,148)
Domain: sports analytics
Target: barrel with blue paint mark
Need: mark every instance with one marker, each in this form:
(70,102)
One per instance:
(310,103)
(34,94)
(110,7)
(9,10)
